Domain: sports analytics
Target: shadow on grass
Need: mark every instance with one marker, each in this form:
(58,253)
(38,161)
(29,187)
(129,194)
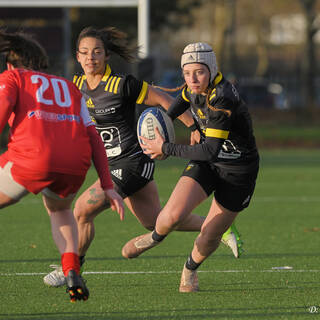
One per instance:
(245,256)
(176,313)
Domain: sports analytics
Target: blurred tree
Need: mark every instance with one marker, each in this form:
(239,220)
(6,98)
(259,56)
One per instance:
(309,61)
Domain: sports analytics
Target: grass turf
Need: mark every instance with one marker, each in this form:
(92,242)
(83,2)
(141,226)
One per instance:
(280,229)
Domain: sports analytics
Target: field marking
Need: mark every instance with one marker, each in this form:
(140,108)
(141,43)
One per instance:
(162,272)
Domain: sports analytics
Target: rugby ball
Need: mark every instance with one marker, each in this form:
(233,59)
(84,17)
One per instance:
(152,118)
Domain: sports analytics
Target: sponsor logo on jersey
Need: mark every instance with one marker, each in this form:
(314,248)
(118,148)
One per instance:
(105,110)
(2,87)
(51,116)
(117,173)
(90,103)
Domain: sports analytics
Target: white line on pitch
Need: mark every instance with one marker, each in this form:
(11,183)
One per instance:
(157,272)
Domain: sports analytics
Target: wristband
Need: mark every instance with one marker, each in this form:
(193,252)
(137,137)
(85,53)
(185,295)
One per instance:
(193,127)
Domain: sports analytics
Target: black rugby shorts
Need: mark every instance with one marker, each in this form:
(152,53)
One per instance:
(232,189)
(131,174)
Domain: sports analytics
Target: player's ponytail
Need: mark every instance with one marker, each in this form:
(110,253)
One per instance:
(172,89)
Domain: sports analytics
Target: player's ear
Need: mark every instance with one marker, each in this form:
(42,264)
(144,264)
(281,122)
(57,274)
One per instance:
(10,66)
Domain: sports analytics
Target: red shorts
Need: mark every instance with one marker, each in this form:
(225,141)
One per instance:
(60,183)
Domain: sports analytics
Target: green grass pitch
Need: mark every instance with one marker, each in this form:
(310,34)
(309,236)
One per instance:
(280,229)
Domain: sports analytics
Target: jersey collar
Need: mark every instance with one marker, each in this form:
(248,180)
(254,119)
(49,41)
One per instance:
(217,79)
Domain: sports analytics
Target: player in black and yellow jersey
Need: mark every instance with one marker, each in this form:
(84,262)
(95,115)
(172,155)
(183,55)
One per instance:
(225,162)
(111,100)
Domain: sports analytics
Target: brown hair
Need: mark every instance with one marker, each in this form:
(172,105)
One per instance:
(113,40)
(22,51)
(208,94)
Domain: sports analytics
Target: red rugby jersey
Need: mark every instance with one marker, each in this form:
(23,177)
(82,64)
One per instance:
(48,126)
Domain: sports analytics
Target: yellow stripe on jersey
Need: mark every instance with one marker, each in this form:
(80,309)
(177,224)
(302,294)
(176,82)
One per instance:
(108,83)
(74,80)
(81,83)
(217,133)
(143,93)
(107,73)
(78,81)
(112,84)
(115,90)
(184,95)
(213,94)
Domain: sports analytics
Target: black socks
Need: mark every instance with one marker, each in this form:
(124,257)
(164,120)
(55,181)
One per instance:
(82,260)
(157,237)
(191,264)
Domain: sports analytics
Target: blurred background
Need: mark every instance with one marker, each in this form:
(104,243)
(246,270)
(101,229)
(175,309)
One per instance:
(269,49)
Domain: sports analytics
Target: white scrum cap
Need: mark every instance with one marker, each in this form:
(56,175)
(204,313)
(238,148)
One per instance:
(200,52)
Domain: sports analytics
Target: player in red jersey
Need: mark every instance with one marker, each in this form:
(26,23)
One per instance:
(52,141)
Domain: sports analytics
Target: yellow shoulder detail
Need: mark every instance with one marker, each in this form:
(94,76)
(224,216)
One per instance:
(143,93)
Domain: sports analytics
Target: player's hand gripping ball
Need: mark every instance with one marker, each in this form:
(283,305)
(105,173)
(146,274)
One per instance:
(152,118)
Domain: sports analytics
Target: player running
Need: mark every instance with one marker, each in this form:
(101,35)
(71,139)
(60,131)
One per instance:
(225,162)
(52,140)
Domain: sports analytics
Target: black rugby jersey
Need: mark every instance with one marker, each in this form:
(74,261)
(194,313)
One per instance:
(225,140)
(112,108)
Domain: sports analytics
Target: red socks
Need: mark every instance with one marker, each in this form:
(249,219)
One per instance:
(70,261)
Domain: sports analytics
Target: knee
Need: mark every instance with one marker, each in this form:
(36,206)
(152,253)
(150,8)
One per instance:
(82,214)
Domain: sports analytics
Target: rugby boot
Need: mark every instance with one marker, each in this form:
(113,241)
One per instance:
(231,238)
(138,245)
(189,281)
(76,287)
(55,278)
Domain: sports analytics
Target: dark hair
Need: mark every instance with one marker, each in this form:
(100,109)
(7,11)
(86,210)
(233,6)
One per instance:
(22,51)
(113,40)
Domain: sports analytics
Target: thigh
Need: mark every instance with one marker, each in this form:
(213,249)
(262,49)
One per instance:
(10,190)
(145,204)
(92,201)
(218,220)
(186,196)
(54,204)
